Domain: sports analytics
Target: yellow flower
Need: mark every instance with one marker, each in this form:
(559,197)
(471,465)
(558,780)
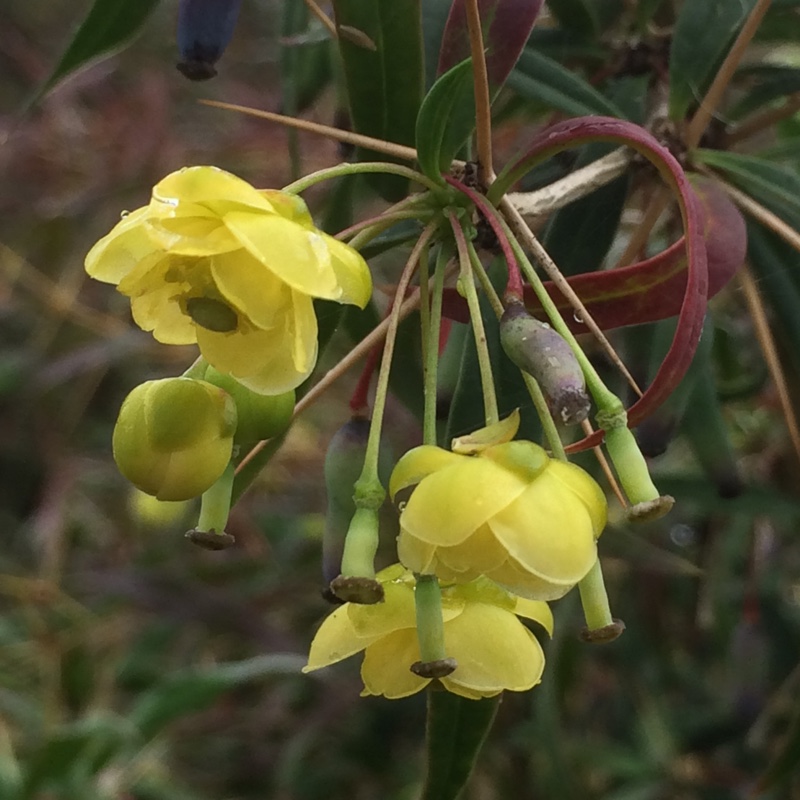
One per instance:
(493,649)
(214,261)
(507,511)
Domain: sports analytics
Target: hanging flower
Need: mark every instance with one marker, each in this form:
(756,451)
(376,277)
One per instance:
(498,508)
(214,261)
(493,649)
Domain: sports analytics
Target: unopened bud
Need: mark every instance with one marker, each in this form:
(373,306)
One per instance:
(259,416)
(204,29)
(541,352)
(174,437)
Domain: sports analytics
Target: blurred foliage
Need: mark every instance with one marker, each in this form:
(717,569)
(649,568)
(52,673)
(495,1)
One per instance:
(135,667)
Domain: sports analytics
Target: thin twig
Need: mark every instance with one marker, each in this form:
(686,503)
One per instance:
(756,210)
(655,207)
(765,119)
(358,139)
(483,112)
(530,241)
(322,17)
(574,186)
(605,466)
(711,101)
(767,343)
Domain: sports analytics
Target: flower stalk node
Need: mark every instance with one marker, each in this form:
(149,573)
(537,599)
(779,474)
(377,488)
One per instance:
(610,419)
(440,668)
(369,494)
(355,589)
(604,635)
(650,510)
(210,540)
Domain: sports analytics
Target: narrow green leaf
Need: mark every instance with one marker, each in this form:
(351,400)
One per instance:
(109,25)
(456,731)
(703,33)
(380,42)
(538,77)
(775,186)
(446,120)
(576,15)
(193,690)
(769,82)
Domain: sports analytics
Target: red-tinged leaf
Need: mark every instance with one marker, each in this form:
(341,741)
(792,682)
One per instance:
(572,133)
(648,290)
(506,26)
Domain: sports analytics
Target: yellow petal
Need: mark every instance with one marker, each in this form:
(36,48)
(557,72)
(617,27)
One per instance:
(352,273)
(397,611)
(196,231)
(334,641)
(449,505)
(523,583)
(250,288)
(119,251)
(297,256)
(587,489)
(498,433)
(289,206)
(418,463)
(387,666)
(417,555)
(263,361)
(211,187)
(479,553)
(494,651)
(525,459)
(536,610)
(548,530)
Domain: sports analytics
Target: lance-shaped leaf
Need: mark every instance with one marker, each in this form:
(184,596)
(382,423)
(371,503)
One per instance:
(381,46)
(649,290)
(690,319)
(109,25)
(506,26)
(703,33)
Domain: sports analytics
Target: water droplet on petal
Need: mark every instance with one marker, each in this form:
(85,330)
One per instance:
(123,214)
(401,505)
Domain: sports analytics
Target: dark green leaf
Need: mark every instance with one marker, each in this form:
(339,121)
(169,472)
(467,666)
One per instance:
(774,186)
(703,33)
(576,15)
(457,728)
(538,77)
(109,25)
(381,47)
(770,82)
(446,119)
(193,690)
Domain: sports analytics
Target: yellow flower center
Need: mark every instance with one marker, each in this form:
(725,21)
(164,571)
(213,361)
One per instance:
(212,314)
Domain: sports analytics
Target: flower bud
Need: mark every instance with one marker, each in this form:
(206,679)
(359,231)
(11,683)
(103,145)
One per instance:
(541,352)
(204,29)
(174,437)
(259,416)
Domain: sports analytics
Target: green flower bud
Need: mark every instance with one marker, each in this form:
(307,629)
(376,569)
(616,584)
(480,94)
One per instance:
(541,352)
(259,416)
(174,437)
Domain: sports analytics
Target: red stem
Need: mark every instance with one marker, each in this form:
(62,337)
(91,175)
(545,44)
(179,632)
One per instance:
(514,287)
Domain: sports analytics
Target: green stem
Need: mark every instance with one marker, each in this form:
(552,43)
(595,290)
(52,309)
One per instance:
(467,279)
(430,625)
(386,221)
(197,370)
(594,599)
(545,417)
(432,349)
(326,174)
(215,505)
(361,543)
(534,390)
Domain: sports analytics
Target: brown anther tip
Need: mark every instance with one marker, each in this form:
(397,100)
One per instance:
(352,589)
(440,668)
(330,597)
(604,635)
(649,510)
(210,540)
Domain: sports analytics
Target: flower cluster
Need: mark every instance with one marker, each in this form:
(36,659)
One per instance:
(505,510)
(493,649)
(213,261)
